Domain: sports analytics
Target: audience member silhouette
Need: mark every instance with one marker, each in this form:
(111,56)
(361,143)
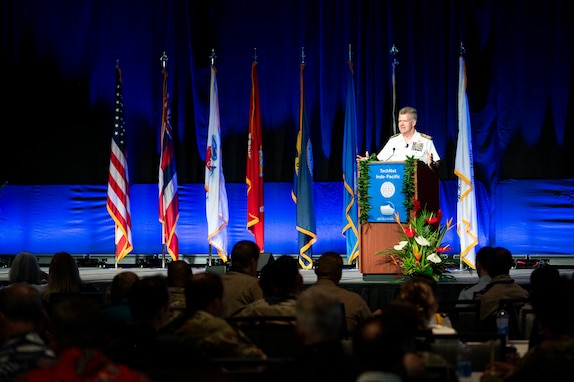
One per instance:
(281,284)
(116,313)
(482,265)
(323,357)
(22,322)
(540,278)
(329,270)
(25,268)
(64,277)
(420,293)
(141,341)
(179,273)
(553,358)
(383,345)
(77,336)
(203,326)
(501,286)
(240,282)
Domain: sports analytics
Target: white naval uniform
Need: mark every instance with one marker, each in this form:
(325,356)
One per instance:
(397,148)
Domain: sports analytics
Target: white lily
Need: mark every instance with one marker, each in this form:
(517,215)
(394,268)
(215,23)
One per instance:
(434,258)
(401,245)
(422,241)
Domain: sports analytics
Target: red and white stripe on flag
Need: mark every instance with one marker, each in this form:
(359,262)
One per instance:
(118,198)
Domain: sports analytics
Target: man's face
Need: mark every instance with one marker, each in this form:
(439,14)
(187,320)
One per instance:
(406,124)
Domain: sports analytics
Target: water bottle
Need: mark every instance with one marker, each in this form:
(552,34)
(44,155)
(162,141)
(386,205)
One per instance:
(464,363)
(502,322)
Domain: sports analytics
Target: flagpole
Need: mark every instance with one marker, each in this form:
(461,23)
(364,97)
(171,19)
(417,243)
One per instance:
(212,57)
(163,60)
(464,170)
(394,51)
(461,52)
(116,256)
(118,195)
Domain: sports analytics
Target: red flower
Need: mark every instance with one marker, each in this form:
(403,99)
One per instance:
(432,220)
(409,232)
(416,206)
(443,249)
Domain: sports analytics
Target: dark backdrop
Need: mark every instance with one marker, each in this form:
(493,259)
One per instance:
(58,58)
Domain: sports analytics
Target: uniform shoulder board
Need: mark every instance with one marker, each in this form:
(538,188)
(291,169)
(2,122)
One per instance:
(396,135)
(426,136)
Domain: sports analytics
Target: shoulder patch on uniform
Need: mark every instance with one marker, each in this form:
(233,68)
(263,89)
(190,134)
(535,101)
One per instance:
(426,136)
(396,135)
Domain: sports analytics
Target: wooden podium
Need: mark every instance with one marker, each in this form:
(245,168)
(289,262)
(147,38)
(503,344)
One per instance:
(376,236)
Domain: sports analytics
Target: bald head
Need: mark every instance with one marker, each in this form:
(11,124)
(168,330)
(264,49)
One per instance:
(178,273)
(329,266)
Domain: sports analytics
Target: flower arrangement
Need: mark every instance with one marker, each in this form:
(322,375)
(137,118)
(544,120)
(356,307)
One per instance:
(421,250)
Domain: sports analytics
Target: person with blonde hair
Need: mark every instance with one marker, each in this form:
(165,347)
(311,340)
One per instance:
(64,277)
(420,293)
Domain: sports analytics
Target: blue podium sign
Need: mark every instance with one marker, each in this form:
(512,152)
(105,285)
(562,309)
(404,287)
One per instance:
(385,191)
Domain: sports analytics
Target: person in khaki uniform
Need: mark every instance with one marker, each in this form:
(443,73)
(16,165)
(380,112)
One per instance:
(203,326)
(240,283)
(329,270)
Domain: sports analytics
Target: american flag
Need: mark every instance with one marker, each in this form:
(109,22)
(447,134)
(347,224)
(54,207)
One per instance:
(118,200)
(168,199)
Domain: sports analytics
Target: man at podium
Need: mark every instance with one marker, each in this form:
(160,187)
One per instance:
(409,142)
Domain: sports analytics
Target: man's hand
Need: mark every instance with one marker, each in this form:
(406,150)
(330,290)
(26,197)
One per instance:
(430,161)
(359,157)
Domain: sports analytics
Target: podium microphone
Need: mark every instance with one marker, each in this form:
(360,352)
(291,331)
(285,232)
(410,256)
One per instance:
(407,146)
(393,153)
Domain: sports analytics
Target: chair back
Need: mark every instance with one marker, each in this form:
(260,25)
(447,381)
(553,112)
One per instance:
(464,314)
(514,306)
(484,348)
(275,335)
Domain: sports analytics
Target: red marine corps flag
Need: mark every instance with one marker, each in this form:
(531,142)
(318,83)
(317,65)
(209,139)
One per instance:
(254,177)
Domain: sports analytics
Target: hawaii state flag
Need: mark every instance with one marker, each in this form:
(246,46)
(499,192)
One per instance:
(168,189)
(351,211)
(302,193)
(467,227)
(254,173)
(216,208)
(118,200)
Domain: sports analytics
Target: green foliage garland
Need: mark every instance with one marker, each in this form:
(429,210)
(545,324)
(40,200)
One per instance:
(363,188)
(409,183)
(364,182)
